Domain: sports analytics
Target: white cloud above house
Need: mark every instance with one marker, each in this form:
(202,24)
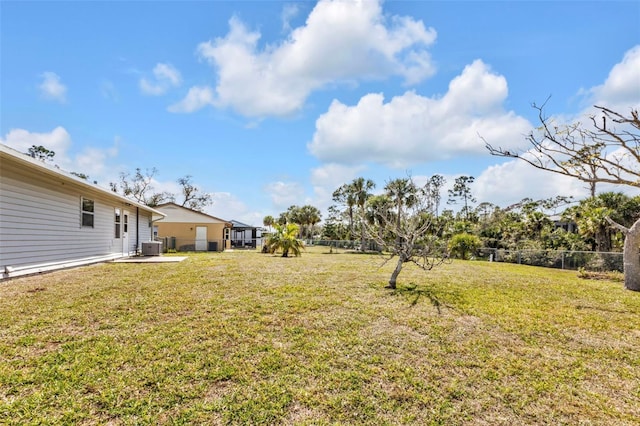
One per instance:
(90,160)
(340,42)
(165,77)
(58,140)
(228,206)
(412,129)
(51,87)
(94,161)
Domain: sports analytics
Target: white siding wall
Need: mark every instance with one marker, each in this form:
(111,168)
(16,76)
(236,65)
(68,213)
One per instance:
(40,220)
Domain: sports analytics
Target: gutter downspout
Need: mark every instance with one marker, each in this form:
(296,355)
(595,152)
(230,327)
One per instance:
(137,230)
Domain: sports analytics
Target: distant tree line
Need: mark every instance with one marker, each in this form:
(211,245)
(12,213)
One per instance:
(405,221)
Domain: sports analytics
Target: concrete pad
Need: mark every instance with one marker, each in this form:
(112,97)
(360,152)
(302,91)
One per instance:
(151,259)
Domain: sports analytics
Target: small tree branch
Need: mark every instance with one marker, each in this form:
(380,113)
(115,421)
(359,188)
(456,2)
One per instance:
(616,225)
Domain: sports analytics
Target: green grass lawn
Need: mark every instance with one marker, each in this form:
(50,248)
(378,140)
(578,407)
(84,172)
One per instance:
(248,338)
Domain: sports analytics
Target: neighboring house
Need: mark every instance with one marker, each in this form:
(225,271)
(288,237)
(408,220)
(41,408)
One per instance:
(245,236)
(559,222)
(50,219)
(185,229)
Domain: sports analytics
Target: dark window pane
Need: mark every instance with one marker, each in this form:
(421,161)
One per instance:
(87,205)
(87,219)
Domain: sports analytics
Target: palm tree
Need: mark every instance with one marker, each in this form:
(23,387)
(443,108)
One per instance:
(403,193)
(592,214)
(309,216)
(360,189)
(285,239)
(268,221)
(378,213)
(344,195)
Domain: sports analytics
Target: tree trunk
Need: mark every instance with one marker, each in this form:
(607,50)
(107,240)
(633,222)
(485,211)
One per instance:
(396,272)
(351,223)
(631,258)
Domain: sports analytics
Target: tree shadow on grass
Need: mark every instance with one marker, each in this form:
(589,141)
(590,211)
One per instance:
(438,297)
(333,250)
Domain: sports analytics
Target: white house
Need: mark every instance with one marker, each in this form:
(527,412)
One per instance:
(50,219)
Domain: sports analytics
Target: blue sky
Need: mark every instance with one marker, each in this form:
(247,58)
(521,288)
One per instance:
(268,104)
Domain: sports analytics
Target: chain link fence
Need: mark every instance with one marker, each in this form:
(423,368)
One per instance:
(561,259)
(588,260)
(345,244)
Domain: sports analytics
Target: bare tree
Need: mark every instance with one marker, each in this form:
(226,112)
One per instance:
(608,151)
(601,154)
(140,188)
(404,229)
(193,198)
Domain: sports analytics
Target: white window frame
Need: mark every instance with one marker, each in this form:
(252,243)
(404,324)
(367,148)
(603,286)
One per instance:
(117,220)
(87,213)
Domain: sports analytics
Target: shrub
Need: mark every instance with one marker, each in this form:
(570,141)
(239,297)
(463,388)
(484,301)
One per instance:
(463,245)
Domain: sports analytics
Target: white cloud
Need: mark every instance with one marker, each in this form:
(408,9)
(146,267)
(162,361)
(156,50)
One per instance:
(289,12)
(513,180)
(51,87)
(509,183)
(412,129)
(91,161)
(197,98)
(621,89)
(228,207)
(58,140)
(329,177)
(166,77)
(108,90)
(340,41)
(285,194)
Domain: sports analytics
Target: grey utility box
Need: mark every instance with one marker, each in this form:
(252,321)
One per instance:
(152,248)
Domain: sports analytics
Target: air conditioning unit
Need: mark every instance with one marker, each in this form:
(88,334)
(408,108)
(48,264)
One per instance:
(152,248)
